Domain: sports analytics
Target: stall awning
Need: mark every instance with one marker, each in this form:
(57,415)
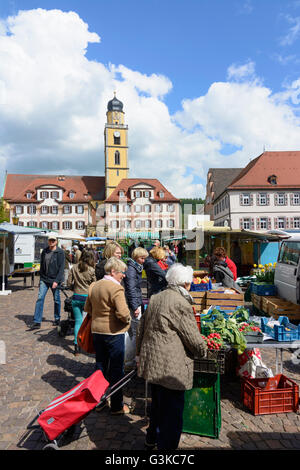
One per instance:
(17,229)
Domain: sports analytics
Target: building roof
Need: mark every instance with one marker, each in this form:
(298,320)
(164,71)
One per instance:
(221,178)
(127,183)
(115,105)
(285,165)
(86,188)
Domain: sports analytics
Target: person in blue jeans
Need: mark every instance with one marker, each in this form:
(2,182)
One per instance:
(81,276)
(51,276)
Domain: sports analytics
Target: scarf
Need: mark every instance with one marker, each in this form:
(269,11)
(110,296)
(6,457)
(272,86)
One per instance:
(107,277)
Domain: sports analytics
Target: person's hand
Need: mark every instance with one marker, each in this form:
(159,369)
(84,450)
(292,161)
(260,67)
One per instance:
(137,312)
(54,285)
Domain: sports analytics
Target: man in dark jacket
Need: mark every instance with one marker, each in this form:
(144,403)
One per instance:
(51,276)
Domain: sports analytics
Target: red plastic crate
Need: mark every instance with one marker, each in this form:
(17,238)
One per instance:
(277,394)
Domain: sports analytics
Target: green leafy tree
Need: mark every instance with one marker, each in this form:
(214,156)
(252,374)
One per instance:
(4,214)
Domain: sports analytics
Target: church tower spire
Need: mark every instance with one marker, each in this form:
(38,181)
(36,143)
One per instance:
(115,146)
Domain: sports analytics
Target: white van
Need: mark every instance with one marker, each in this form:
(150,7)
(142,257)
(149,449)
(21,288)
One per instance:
(287,271)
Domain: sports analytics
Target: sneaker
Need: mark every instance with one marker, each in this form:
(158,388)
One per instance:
(35,326)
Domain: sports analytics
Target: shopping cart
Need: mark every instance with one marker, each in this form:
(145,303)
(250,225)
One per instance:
(58,421)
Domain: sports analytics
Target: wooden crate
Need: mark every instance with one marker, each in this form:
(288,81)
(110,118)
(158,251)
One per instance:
(199,299)
(279,307)
(257,301)
(227,300)
(265,299)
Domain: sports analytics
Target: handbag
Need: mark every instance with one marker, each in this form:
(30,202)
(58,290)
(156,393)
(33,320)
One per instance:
(84,336)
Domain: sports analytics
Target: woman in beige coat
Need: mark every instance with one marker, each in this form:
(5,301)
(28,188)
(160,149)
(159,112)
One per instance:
(168,339)
(111,318)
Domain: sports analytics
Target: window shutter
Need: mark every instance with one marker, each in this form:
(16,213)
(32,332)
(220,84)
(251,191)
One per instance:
(241,223)
(275,199)
(291,199)
(286,222)
(251,199)
(285,199)
(292,222)
(252,224)
(241,199)
(268,199)
(257,199)
(257,223)
(50,225)
(276,222)
(269,223)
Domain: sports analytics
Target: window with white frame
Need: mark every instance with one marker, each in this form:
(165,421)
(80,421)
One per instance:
(147,223)
(114,208)
(44,210)
(171,223)
(137,223)
(138,194)
(137,208)
(262,199)
(147,194)
(31,209)
(296,222)
(29,195)
(80,209)
(170,207)
(161,194)
(127,224)
(263,223)
(127,208)
(158,223)
(281,222)
(280,199)
(54,210)
(55,194)
(147,208)
(121,193)
(55,225)
(19,210)
(67,225)
(44,224)
(114,224)
(296,199)
(44,194)
(245,199)
(67,210)
(80,225)
(246,224)
(71,195)
(158,207)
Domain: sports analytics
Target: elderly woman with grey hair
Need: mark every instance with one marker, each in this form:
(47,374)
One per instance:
(168,339)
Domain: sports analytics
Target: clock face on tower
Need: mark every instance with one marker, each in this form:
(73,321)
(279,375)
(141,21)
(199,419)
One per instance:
(117,134)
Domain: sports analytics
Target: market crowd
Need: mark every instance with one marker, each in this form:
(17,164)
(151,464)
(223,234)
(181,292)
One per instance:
(163,329)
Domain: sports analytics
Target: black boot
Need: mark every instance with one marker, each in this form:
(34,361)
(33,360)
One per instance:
(76,350)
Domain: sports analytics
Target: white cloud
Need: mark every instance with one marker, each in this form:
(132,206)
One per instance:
(293,33)
(54,110)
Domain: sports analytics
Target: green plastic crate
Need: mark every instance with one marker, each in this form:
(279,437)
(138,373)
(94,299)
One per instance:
(202,406)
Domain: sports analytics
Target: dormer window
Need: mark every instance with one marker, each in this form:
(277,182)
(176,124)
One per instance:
(121,193)
(272,179)
(44,194)
(29,195)
(71,195)
(161,194)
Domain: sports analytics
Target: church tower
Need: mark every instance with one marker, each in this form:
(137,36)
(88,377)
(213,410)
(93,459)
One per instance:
(115,146)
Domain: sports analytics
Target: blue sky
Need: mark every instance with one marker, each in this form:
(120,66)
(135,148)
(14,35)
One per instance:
(205,69)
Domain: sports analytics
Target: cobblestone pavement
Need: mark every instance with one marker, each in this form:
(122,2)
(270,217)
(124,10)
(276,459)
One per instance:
(40,365)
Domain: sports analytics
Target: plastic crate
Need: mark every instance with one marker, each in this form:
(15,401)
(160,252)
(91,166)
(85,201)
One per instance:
(202,408)
(277,394)
(201,287)
(263,289)
(213,363)
(280,332)
(254,337)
